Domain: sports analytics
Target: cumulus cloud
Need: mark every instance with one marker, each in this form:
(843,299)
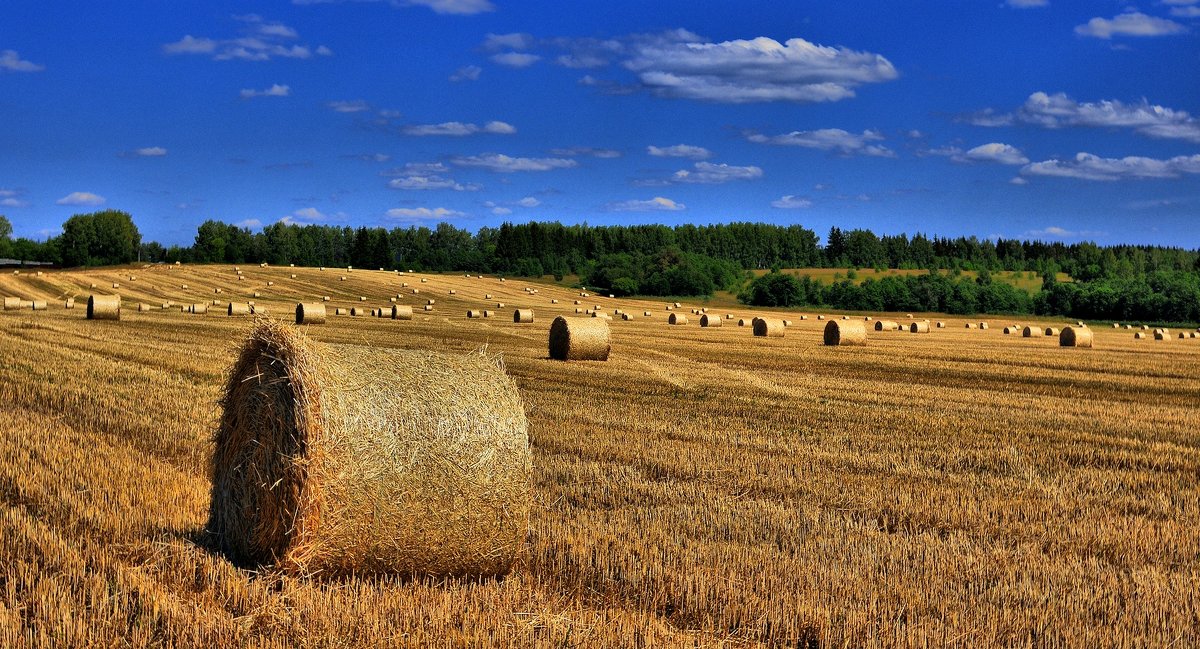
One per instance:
(1086,166)
(656,204)
(12,62)
(1059,111)
(1005,154)
(586,151)
(276,90)
(467,73)
(829,139)
(790,202)
(421,213)
(1133,23)
(259,40)
(710,173)
(418,182)
(679,151)
(81,198)
(305,215)
(459,129)
(498,162)
(349,106)
(1186,12)
(516,59)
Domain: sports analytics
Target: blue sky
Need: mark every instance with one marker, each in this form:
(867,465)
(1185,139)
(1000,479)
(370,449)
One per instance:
(1039,119)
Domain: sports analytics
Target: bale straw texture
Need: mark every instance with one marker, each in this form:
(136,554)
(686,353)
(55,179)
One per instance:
(1075,337)
(1051,331)
(919,328)
(400,312)
(12,303)
(104,307)
(886,325)
(677,319)
(523,316)
(1027,332)
(850,332)
(238,308)
(768,327)
(420,465)
(310,313)
(38,305)
(707,320)
(580,339)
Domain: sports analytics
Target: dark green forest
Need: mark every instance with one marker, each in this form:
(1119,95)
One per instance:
(1148,283)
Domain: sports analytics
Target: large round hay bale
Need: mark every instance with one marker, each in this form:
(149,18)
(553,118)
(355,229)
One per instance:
(402,312)
(918,328)
(742,322)
(768,327)
(199,309)
(523,316)
(707,320)
(1027,332)
(820,317)
(38,305)
(258,309)
(418,465)
(1160,335)
(472,313)
(104,307)
(311,313)
(677,319)
(143,307)
(629,316)
(969,325)
(11,303)
(886,325)
(1051,331)
(579,339)
(601,314)
(238,308)
(339,311)
(850,332)
(1075,337)
(1139,335)
(356,311)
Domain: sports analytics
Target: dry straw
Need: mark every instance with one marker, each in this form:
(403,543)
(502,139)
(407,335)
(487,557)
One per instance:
(629,316)
(402,312)
(645,314)
(848,332)
(919,328)
(579,339)
(1051,331)
(199,309)
(523,316)
(472,313)
(1027,332)
(488,314)
(38,305)
(418,465)
(941,325)
(143,307)
(710,321)
(983,325)
(11,303)
(311,313)
(1159,335)
(339,311)
(677,319)
(742,322)
(239,308)
(69,303)
(886,325)
(1075,337)
(104,307)
(1139,335)
(969,325)
(768,327)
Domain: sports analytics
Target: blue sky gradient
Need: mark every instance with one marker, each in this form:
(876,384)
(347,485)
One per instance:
(1022,119)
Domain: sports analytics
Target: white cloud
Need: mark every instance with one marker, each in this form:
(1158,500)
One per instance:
(588,151)
(11,61)
(1017,180)
(367,157)
(1086,166)
(1060,111)
(1056,232)
(1025,4)
(150,152)
(12,198)
(1134,23)
(1185,12)
(513,41)
(459,129)
(253,224)
(710,173)
(500,210)
(349,106)
(790,202)
(762,69)
(830,139)
(501,163)
(516,59)
(529,201)
(679,151)
(656,204)
(417,182)
(309,214)
(1005,154)
(467,73)
(276,90)
(452,7)
(421,213)
(259,41)
(948,151)
(421,168)
(80,198)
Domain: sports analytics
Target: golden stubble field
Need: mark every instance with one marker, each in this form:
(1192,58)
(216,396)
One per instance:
(702,488)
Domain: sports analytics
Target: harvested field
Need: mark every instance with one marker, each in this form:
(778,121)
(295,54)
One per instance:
(700,488)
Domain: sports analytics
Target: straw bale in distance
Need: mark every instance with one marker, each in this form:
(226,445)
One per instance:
(339,311)
(310,313)
(238,308)
(472,313)
(707,320)
(768,327)
(104,307)
(848,332)
(742,322)
(402,312)
(199,309)
(12,303)
(645,314)
(317,485)
(38,305)
(677,319)
(969,325)
(1159,335)
(1139,335)
(629,316)
(428,307)
(886,325)
(579,339)
(1075,337)
(983,325)
(488,314)
(941,325)
(69,303)
(1027,332)
(918,327)
(1051,331)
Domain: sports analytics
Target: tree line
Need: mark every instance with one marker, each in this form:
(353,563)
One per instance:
(1124,281)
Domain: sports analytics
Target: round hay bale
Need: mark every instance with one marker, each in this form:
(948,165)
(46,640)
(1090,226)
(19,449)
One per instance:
(599,314)
(258,310)
(551,301)
(218,291)
(710,321)
(11,303)
(1075,337)
(38,305)
(1116,325)
(1051,331)
(1158,335)
(579,339)
(307,475)
(768,327)
(886,325)
(941,325)
(374,313)
(339,311)
(627,316)
(909,316)
(678,305)
(499,305)
(918,328)
(969,325)
(355,312)
(239,308)
(523,316)
(742,322)
(820,317)
(1139,335)
(362,298)
(1027,332)
(342,278)
(257,294)
(428,307)
(104,307)
(424,280)
(578,302)
(69,303)
(310,313)
(292,276)
(451,291)
(578,309)
(787,323)
(845,317)
(645,314)
(472,313)
(983,325)
(199,309)
(677,319)
(430,301)
(1183,334)
(116,285)
(400,312)
(488,314)
(1193,334)
(804,317)
(851,332)
(488,296)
